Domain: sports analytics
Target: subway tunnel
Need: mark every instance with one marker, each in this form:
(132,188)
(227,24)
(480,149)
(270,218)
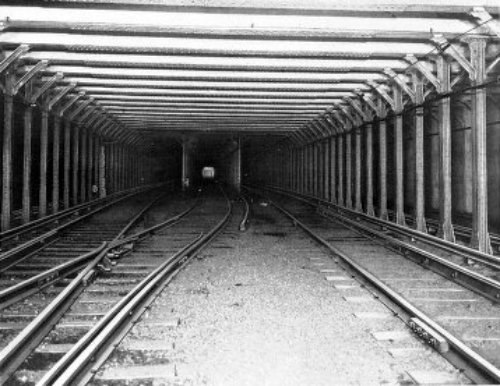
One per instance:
(381,116)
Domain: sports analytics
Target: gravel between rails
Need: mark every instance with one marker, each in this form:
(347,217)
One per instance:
(262,313)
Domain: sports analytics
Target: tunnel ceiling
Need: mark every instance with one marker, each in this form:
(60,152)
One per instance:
(248,67)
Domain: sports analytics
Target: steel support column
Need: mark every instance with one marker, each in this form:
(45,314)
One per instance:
(446,230)
(56,143)
(480,233)
(326,167)
(340,168)
(7,160)
(27,158)
(76,166)
(398,157)
(382,177)
(66,165)
(333,169)
(357,181)
(369,169)
(90,158)
(420,224)
(348,170)
(42,192)
(84,166)
(102,169)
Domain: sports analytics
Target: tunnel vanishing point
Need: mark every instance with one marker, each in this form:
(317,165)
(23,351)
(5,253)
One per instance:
(390,108)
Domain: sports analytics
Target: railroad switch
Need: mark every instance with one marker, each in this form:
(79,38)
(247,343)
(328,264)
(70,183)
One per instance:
(429,335)
(105,264)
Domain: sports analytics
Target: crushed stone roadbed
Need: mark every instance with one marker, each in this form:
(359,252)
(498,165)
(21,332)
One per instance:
(268,307)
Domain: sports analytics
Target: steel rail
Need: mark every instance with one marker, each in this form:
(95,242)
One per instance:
(55,217)
(460,230)
(79,364)
(474,281)
(25,250)
(44,279)
(12,356)
(456,249)
(487,369)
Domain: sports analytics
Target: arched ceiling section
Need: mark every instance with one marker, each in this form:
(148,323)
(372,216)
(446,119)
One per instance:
(249,67)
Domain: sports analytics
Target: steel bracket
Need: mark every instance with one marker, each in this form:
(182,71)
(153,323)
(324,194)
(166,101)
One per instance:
(48,84)
(58,97)
(401,83)
(29,75)
(16,54)
(410,58)
(71,102)
(486,19)
(79,109)
(445,46)
(383,94)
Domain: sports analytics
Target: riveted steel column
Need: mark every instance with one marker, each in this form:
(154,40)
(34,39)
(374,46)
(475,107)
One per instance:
(306,169)
(76,164)
(480,234)
(319,171)
(419,155)
(445,194)
(90,163)
(302,170)
(310,171)
(96,162)
(84,166)
(357,205)
(314,168)
(66,165)
(44,141)
(333,170)
(7,160)
(27,156)
(102,169)
(398,156)
(340,167)
(56,143)
(369,169)
(326,169)
(348,170)
(382,178)
(185,166)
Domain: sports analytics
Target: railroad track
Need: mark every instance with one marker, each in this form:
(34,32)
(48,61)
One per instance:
(462,233)
(469,267)
(105,303)
(463,325)
(35,229)
(65,250)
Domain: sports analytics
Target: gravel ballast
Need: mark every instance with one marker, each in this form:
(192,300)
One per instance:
(263,313)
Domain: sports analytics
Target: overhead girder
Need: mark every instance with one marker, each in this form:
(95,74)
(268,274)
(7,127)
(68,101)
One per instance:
(185,67)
